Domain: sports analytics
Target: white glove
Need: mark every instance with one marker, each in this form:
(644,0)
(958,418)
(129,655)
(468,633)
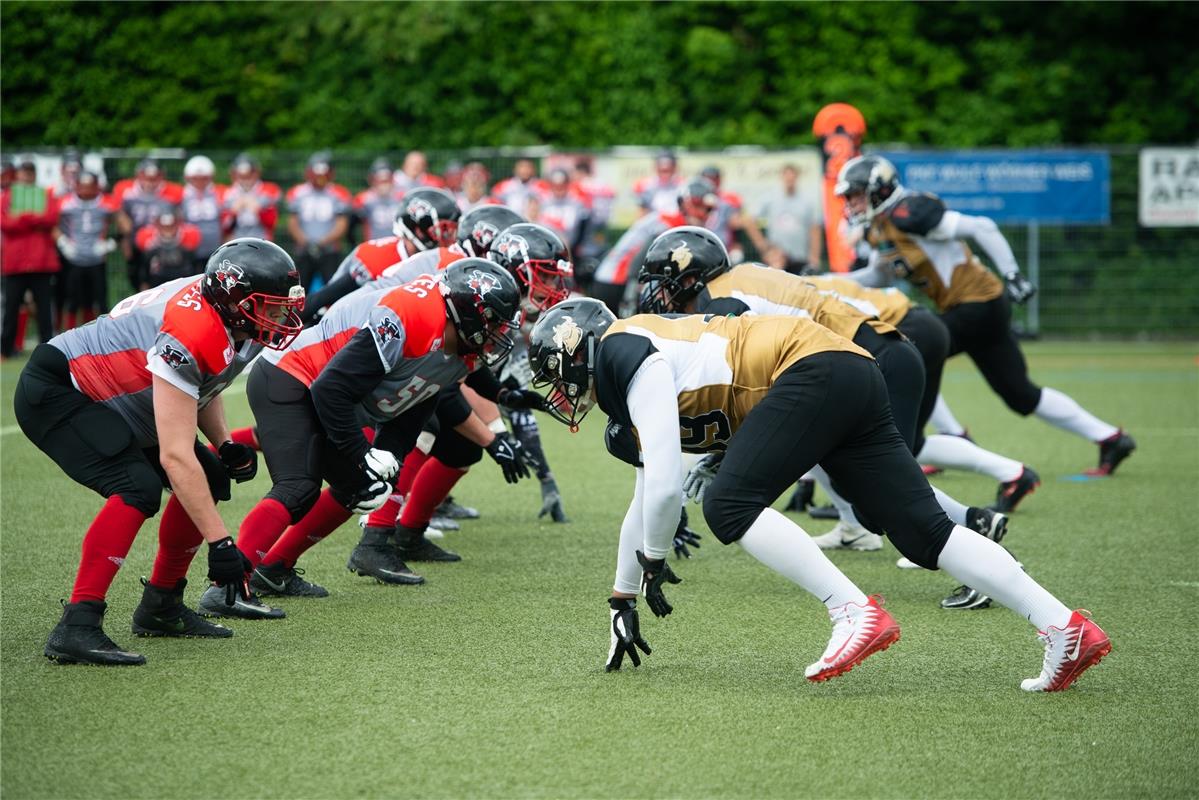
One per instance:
(68,248)
(108,246)
(380,465)
(370,498)
(701,475)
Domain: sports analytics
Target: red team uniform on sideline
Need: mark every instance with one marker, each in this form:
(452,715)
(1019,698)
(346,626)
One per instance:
(239,216)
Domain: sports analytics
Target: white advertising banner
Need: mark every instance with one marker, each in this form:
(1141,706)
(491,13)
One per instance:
(1169,181)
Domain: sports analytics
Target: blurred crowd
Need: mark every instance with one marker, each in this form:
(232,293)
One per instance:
(56,239)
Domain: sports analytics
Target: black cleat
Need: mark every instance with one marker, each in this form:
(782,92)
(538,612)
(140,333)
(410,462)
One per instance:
(413,546)
(824,512)
(987,522)
(376,556)
(279,580)
(79,638)
(1112,451)
(964,598)
(162,613)
(801,498)
(1012,492)
(213,604)
(452,510)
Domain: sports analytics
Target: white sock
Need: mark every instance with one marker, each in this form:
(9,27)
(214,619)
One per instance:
(954,452)
(843,506)
(944,420)
(1063,412)
(784,547)
(952,508)
(982,564)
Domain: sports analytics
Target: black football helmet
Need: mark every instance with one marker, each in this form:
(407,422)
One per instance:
(678,265)
(255,288)
(483,303)
(428,218)
(870,185)
(478,228)
(562,355)
(698,198)
(538,259)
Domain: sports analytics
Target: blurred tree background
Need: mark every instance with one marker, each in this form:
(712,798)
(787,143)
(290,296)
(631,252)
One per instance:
(447,74)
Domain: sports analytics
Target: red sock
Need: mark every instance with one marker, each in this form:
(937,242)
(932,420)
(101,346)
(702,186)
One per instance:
(432,485)
(388,514)
(324,518)
(105,546)
(178,541)
(261,528)
(246,436)
(22,324)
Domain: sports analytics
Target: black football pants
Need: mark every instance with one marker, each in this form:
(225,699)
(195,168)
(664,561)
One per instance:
(983,331)
(829,409)
(931,337)
(903,372)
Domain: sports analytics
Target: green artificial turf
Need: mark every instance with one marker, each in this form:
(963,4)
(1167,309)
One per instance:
(488,681)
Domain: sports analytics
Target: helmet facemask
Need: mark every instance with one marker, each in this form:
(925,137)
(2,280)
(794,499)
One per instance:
(275,320)
(570,377)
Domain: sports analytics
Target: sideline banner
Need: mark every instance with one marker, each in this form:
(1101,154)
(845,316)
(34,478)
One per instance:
(1169,187)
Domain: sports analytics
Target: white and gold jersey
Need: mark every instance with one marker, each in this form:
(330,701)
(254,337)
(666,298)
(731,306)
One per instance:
(722,366)
(889,304)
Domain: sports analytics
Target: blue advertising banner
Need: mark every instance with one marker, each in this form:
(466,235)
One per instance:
(1014,186)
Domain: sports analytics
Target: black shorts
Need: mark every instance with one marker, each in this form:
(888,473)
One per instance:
(92,443)
(903,372)
(829,409)
(984,332)
(931,337)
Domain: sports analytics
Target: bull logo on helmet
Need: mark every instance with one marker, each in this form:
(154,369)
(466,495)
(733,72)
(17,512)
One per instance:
(567,335)
(681,255)
(229,276)
(387,330)
(481,283)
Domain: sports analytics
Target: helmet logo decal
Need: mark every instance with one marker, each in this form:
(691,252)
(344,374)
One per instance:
(229,276)
(681,255)
(419,207)
(513,247)
(482,283)
(567,335)
(174,357)
(387,330)
(484,233)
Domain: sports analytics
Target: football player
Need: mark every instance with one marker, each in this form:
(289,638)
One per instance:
(687,271)
(379,359)
(117,403)
(776,395)
(914,236)
(427,219)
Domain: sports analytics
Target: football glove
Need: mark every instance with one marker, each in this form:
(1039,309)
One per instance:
(626,633)
(551,502)
(229,567)
(684,537)
(523,399)
(68,248)
(506,450)
(701,475)
(239,460)
(655,572)
(380,465)
(1020,288)
(370,497)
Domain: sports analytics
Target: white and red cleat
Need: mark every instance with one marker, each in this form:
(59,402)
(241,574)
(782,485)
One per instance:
(1069,652)
(858,632)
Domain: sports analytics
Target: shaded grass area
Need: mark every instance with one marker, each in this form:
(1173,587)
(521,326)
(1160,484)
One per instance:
(488,680)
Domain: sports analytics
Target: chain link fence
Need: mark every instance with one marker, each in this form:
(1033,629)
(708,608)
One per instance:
(1119,280)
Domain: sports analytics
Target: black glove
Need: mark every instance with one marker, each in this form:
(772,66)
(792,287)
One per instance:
(551,502)
(228,567)
(522,399)
(653,574)
(506,451)
(240,461)
(1020,289)
(626,633)
(684,537)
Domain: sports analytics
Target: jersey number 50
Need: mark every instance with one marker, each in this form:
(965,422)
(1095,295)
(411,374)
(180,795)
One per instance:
(709,431)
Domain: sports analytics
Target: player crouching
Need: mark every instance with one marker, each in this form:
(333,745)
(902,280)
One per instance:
(116,405)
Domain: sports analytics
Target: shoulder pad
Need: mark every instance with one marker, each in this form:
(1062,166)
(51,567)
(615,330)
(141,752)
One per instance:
(917,213)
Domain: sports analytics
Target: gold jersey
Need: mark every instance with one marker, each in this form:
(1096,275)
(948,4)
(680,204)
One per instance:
(763,291)
(890,305)
(945,270)
(722,366)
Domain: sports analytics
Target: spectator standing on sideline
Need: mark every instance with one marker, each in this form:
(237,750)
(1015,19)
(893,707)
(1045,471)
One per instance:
(729,217)
(794,226)
(319,218)
(414,173)
(169,250)
(524,185)
(563,211)
(474,188)
(28,259)
(141,200)
(84,218)
(660,194)
(251,205)
(201,205)
(68,174)
(599,197)
(376,206)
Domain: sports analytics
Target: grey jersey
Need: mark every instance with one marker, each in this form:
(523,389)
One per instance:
(170,332)
(85,224)
(203,209)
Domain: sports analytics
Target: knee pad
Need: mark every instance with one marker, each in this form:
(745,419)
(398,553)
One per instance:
(297,496)
(455,450)
(728,514)
(926,548)
(1023,399)
(143,490)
